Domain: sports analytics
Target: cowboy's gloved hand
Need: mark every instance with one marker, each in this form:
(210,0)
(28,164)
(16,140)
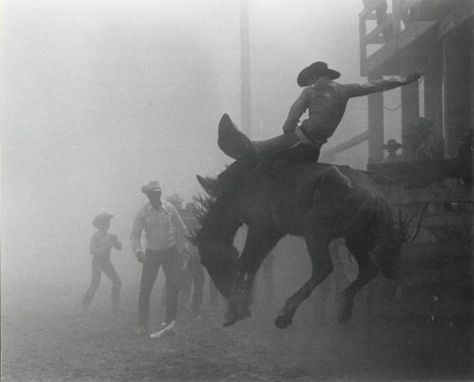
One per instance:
(140,256)
(412,77)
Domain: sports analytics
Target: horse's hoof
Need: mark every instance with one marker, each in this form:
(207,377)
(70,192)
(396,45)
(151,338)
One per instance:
(230,322)
(282,322)
(244,313)
(231,316)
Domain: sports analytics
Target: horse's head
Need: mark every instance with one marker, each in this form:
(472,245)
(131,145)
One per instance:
(219,221)
(220,260)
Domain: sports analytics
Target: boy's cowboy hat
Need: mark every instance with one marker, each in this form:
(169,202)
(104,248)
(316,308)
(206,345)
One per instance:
(101,218)
(153,186)
(392,144)
(319,69)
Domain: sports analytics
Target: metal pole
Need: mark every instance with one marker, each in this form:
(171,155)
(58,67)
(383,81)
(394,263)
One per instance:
(245,68)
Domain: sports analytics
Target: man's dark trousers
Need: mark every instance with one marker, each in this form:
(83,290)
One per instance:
(172,267)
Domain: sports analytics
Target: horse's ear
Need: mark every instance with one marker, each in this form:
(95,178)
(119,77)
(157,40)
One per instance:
(210,185)
(201,181)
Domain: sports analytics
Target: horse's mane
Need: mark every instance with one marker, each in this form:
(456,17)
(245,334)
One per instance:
(219,190)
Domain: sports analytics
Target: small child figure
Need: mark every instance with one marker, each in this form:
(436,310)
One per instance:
(101,245)
(392,146)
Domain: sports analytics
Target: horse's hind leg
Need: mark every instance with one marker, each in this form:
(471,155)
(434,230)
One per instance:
(367,271)
(318,248)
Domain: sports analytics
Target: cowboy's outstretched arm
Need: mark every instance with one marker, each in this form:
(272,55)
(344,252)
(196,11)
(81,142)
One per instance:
(296,111)
(358,90)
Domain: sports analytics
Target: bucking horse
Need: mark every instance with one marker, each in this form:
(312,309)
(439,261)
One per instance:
(280,197)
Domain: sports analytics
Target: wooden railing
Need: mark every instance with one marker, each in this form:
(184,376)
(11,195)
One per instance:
(328,155)
(388,25)
(406,14)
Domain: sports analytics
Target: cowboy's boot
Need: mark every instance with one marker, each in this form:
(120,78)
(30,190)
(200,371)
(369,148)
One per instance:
(233,142)
(237,145)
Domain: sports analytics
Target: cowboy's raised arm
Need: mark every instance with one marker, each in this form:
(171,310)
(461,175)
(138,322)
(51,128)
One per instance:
(358,90)
(296,111)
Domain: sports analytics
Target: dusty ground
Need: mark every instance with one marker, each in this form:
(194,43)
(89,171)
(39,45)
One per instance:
(45,338)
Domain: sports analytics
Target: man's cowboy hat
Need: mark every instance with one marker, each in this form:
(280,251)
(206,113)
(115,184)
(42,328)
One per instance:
(101,218)
(392,144)
(153,186)
(319,69)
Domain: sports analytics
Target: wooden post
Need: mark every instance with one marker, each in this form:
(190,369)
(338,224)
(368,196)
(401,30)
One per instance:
(433,77)
(410,101)
(457,47)
(433,86)
(375,117)
(362,45)
(245,68)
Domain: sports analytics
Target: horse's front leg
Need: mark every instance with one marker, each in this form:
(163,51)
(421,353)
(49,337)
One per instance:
(318,248)
(234,308)
(257,245)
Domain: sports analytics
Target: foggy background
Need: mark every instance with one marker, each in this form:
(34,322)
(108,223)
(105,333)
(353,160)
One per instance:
(101,97)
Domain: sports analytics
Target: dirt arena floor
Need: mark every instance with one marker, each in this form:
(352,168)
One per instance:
(46,338)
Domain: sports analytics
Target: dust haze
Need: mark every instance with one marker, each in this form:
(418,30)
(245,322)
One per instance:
(101,97)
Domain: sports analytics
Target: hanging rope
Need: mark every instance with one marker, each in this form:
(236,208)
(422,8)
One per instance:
(393,109)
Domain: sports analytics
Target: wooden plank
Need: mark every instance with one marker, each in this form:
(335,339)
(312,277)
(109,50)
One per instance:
(461,14)
(368,12)
(416,174)
(435,195)
(447,221)
(354,141)
(372,36)
(412,33)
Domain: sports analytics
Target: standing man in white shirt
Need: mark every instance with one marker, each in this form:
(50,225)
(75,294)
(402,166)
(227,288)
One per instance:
(160,221)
